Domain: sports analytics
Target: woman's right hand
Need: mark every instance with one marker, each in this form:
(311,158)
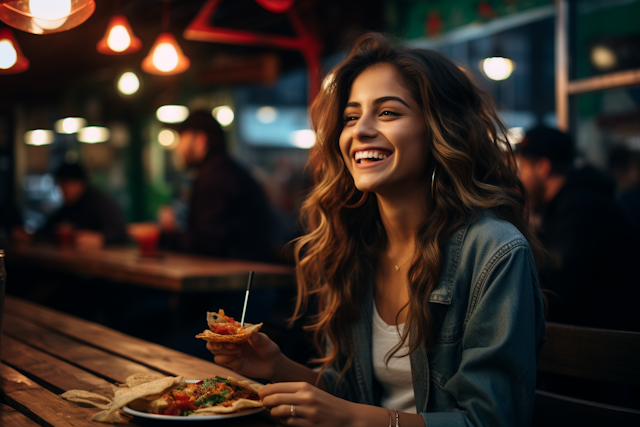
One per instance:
(257,358)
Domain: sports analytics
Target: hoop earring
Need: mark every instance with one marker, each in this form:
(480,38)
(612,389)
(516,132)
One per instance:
(360,202)
(433,178)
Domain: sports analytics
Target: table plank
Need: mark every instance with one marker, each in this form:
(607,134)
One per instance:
(55,372)
(88,358)
(173,271)
(9,417)
(151,355)
(45,407)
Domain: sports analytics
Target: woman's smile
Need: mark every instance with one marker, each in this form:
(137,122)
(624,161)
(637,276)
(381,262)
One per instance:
(371,157)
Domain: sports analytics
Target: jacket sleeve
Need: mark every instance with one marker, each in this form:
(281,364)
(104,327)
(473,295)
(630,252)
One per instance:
(501,342)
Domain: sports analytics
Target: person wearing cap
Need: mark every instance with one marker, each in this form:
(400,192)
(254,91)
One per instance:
(229,215)
(589,275)
(94,218)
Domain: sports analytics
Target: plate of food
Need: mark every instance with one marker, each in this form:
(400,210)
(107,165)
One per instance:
(174,399)
(212,398)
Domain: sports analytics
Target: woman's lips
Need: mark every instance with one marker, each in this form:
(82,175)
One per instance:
(371,158)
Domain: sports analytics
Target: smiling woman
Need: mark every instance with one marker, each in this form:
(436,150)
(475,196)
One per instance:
(417,254)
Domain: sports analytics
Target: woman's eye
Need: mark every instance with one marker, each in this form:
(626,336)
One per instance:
(350,119)
(389,113)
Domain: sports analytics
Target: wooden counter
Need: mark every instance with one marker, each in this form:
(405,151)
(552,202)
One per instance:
(170,271)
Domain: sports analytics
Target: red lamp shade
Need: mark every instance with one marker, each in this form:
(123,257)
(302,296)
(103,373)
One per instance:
(45,16)
(12,60)
(119,38)
(165,57)
(276,6)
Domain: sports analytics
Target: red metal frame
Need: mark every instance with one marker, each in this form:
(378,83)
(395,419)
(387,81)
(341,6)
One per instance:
(304,42)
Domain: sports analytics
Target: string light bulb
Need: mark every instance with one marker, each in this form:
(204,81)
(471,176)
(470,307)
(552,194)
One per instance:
(12,60)
(119,38)
(46,16)
(498,68)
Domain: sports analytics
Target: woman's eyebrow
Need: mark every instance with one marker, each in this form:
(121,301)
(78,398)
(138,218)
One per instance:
(379,101)
(391,98)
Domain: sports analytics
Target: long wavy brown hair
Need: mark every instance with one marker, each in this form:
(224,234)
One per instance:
(475,170)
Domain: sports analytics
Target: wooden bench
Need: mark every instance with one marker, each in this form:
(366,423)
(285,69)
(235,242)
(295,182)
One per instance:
(593,354)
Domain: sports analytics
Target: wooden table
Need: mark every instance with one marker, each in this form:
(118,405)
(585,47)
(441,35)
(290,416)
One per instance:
(171,271)
(45,352)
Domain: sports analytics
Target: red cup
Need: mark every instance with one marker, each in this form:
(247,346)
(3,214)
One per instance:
(147,239)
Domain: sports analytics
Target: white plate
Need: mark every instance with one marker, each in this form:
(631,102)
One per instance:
(244,413)
(191,418)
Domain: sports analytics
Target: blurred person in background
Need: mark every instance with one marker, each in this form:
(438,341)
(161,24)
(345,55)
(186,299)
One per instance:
(229,215)
(591,274)
(88,217)
(624,166)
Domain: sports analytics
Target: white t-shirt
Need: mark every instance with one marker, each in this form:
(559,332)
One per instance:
(396,376)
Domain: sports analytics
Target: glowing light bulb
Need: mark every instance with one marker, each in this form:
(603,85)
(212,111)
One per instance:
(305,138)
(168,137)
(223,114)
(128,84)
(497,68)
(603,57)
(119,39)
(267,114)
(93,134)
(165,57)
(39,137)
(172,113)
(8,54)
(70,125)
(50,14)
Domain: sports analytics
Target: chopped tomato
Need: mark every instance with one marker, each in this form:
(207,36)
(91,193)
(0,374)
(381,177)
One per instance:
(172,409)
(228,329)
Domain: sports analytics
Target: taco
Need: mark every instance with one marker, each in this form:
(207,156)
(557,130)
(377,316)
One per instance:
(224,328)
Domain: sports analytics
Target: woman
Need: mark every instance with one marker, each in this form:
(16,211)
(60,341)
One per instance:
(416,255)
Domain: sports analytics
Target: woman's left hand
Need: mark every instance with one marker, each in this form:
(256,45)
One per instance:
(301,404)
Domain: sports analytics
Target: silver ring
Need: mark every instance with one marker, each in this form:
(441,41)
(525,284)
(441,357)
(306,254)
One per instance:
(293,411)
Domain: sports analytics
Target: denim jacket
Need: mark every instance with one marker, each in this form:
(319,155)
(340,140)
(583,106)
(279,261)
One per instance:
(489,322)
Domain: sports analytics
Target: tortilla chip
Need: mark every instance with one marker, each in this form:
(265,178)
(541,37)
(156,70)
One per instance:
(82,396)
(151,407)
(142,378)
(250,329)
(246,385)
(124,396)
(236,406)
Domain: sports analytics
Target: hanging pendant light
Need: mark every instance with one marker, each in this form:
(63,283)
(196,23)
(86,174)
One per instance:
(165,56)
(45,16)
(12,61)
(119,38)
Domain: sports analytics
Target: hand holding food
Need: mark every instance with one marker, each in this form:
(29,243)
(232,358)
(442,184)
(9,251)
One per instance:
(223,328)
(259,357)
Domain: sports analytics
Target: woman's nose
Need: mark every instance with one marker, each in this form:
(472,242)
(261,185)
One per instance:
(365,128)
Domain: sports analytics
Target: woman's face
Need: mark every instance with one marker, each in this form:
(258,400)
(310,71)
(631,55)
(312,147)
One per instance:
(384,139)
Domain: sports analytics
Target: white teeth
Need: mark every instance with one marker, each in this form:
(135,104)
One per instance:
(359,155)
